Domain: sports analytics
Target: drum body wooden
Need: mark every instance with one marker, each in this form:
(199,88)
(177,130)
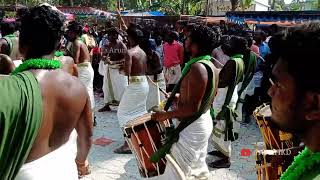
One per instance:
(270,164)
(265,169)
(144,138)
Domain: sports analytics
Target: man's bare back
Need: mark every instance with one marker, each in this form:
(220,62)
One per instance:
(80,52)
(138,62)
(66,106)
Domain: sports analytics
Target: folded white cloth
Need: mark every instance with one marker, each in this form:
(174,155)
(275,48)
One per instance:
(218,136)
(133,102)
(190,151)
(86,74)
(58,164)
(102,68)
(114,85)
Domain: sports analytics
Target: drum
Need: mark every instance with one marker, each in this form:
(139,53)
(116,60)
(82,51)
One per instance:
(270,165)
(273,138)
(145,137)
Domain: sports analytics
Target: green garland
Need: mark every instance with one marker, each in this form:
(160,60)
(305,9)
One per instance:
(39,63)
(58,54)
(10,36)
(303,163)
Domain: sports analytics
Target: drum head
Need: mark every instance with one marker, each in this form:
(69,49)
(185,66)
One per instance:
(139,123)
(139,120)
(264,112)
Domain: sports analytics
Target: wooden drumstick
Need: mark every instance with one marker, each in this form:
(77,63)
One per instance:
(163,91)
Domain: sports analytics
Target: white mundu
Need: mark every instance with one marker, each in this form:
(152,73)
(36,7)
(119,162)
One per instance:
(219,143)
(133,102)
(58,164)
(86,74)
(114,84)
(190,151)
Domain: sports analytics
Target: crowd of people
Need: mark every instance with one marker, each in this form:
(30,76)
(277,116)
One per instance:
(210,78)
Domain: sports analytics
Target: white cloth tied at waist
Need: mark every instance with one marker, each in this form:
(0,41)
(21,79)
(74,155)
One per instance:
(57,165)
(218,140)
(190,151)
(85,75)
(133,101)
(114,85)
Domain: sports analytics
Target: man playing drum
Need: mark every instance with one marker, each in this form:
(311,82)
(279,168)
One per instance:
(295,94)
(188,142)
(133,101)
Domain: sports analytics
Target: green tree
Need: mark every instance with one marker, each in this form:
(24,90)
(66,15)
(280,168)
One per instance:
(246,4)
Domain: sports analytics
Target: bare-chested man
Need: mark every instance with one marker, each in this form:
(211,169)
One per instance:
(114,54)
(9,43)
(81,56)
(41,107)
(155,76)
(197,89)
(133,101)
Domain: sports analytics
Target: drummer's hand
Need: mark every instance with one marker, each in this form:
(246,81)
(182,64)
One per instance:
(83,168)
(160,116)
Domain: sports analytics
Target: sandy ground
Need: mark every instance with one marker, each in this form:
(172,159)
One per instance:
(107,165)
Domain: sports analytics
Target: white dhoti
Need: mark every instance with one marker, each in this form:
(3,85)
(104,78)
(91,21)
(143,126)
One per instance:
(218,134)
(133,102)
(86,74)
(58,164)
(155,96)
(190,151)
(114,84)
(102,68)
(172,74)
